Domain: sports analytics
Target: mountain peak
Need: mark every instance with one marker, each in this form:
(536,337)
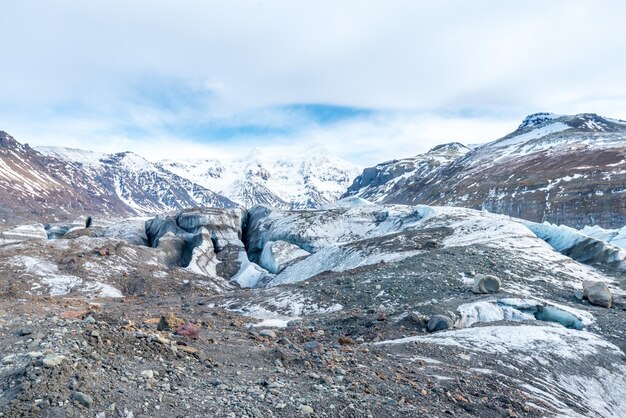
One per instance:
(538,119)
(587,122)
(7,140)
(450,147)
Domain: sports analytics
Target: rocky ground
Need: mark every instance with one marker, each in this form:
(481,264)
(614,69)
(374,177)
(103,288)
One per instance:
(107,358)
(354,334)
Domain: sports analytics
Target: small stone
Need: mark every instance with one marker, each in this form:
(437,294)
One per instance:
(8,359)
(89,320)
(160,339)
(147,374)
(188,349)
(597,293)
(579,294)
(416,317)
(439,323)
(431,243)
(268,333)
(306,410)
(346,340)
(52,360)
(312,346)
(83,399)
(284,341)
(24,332)
(484,283)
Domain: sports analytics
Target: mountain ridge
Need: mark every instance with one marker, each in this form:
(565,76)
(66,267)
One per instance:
(36,186)
(555,168)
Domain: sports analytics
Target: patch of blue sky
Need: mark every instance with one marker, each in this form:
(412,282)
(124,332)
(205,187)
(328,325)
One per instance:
(325,114)
(170,94)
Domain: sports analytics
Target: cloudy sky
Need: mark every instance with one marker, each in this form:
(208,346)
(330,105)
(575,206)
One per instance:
(368,79)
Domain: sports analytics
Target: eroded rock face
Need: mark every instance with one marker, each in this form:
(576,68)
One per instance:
(207,241)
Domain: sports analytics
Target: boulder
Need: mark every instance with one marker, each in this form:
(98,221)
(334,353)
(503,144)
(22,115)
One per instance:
(439,323)
(83,399)
(484,283)
(268,333)
(312,346)
(188,330)
(276,255)
(52,360)
(597,293)
(169,322)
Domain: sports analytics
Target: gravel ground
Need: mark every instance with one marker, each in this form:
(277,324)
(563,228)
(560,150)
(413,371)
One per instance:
(70,357)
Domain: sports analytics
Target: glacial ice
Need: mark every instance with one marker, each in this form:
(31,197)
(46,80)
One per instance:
(515,309)
(277,255)
(579,246)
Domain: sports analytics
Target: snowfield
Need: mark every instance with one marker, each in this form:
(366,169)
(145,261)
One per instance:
(308,180)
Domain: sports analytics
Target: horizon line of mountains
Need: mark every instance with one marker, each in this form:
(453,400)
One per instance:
(567,170)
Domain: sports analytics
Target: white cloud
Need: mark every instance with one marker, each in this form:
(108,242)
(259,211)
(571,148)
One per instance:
(418,61)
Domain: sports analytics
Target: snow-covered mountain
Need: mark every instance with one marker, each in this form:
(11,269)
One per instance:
(562,169)
(307,180)
(384,178)
(33,185)
(143,187)
(55,183)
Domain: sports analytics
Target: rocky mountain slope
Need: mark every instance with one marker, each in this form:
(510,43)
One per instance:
(562,169)
(143,187)
(33,186)
(354,310)
(48,185)
(308,180)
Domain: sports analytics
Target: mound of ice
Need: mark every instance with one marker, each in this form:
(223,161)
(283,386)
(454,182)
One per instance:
(579,246)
